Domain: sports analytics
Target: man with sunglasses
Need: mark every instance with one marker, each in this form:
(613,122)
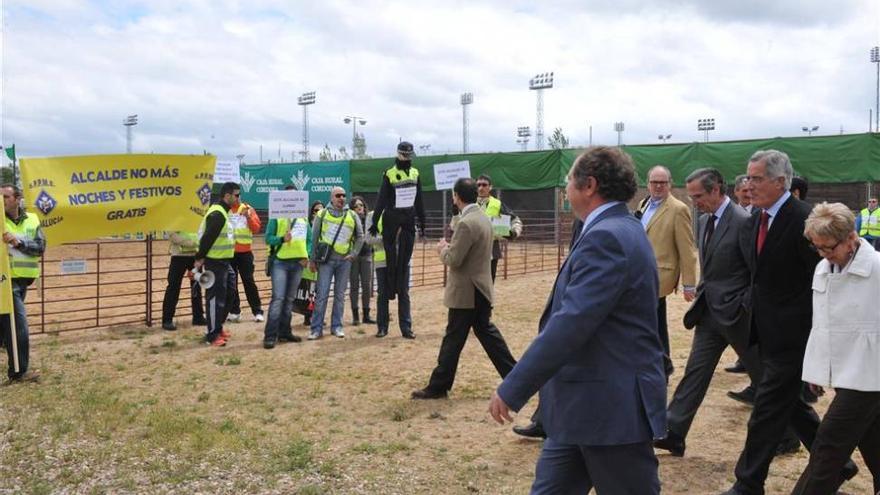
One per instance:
(216,249)
(342,237)
(402,211)
(494,209)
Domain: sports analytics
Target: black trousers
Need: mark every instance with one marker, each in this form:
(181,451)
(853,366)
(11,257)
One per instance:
(243,266)
(218,297)
(778,404)
(398,238)
(852,420)
(494,268)
(460,321)
(663,329)
(177,267)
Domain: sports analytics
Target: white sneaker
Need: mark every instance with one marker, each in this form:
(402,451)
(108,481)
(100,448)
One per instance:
(259,317)
(339,333)
(234,318)
(314,336)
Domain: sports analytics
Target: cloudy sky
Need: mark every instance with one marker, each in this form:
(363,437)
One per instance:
(223,75)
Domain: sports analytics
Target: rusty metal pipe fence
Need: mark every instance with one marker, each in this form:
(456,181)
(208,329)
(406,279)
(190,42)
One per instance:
(115,282)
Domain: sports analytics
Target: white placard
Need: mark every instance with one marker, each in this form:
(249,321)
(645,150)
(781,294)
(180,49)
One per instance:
(73,267)
(227,172)
(445,174)
(405,197)
(501,225)
(288,204)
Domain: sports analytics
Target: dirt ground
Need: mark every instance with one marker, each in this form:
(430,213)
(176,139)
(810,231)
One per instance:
(140,410)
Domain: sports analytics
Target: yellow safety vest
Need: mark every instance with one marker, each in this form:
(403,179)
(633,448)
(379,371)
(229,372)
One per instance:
(224,245)
(243,234)
(194,238)
(492,208)
(295,248)
(22,265)
(343,242)
(870,223)
(399,178)
(379,249)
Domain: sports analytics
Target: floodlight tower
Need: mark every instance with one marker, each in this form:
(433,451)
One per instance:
(539,83)
(354,120)
(664,137)
(875,59)
(523,133)
(466,100)
(129,122)
(618,128)
(810,130)
(304,101)
(706,125)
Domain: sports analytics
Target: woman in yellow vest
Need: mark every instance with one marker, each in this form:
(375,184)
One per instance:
(288,239)
(309,282)
(360,280)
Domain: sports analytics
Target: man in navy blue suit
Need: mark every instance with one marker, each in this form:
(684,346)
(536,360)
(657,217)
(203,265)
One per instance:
(598,359)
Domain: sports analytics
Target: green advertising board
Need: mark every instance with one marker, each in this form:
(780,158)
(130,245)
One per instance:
(316,178)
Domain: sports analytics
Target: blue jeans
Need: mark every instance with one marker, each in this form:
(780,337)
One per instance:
(404,317)
(19,291)
(334,269)
(286,275)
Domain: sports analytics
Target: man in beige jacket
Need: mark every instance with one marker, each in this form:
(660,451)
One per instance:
(669,226)
(468,293)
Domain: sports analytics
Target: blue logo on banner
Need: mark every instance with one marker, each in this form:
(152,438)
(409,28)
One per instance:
(45,203)
(204,193)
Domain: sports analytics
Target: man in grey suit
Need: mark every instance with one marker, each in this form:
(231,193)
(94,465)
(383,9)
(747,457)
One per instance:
(597,360)
(720,309)
(468,293)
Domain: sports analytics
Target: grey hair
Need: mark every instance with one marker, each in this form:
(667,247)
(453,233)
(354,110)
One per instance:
(740,182)
(831,220)
(663,168)
(708,177)
(778,165)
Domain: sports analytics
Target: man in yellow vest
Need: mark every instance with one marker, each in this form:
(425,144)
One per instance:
(182,247)
(288,241)
(508,226)
(868,223)
(245,224)
(402,210)
(216,248)
(26,244)
(336,239)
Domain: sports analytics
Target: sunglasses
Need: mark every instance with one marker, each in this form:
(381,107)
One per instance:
(339,195)
(237,195)
(482,184)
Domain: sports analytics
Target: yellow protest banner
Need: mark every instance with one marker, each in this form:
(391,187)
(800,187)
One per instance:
(5,277)
(84,197)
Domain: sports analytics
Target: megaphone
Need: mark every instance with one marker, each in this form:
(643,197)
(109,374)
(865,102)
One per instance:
(204,278)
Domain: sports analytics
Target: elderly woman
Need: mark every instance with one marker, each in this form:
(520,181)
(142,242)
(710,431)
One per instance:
(843,350)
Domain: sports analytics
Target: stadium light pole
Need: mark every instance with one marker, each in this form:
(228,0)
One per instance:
(538,84)
(875,59)
(240,157)
(810,130)
(706,125)
(129,122)
(354,120)
(425,149)
(618,128)
(304,101)
(467,99)
(523,133)
(664,137)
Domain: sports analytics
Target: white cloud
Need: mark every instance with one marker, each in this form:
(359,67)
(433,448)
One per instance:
(232,70)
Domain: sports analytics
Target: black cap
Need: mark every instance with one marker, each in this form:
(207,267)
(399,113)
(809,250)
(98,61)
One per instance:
(405,148)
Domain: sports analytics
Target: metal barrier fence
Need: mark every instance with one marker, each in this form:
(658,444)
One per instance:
(110,282)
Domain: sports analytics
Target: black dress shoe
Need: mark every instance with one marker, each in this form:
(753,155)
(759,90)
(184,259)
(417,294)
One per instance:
(746,396)
(369,321)
(850,470)
(409,335)
(788,446)
(532,430)
(169,325)
(268,344)
(737,367)
(672,442)
(427,393)
(289,338)
(381,333)
(199,321)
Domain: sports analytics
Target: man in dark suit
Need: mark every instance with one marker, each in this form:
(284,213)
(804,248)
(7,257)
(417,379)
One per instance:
(781,266)
(597,360)
(720,310)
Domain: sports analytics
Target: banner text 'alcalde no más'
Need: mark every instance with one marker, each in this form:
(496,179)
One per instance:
(83,197)
(316,178)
